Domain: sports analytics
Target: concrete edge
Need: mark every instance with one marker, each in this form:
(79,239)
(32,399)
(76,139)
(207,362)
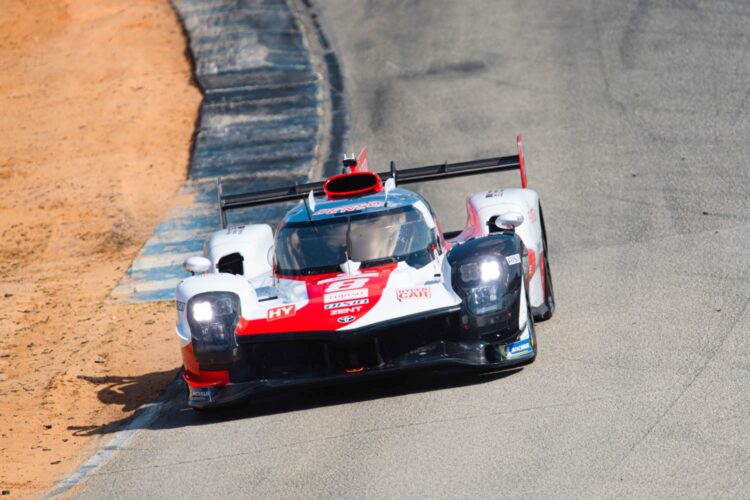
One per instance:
(143,417)
(333,130)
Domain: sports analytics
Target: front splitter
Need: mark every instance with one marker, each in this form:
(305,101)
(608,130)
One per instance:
(468,354)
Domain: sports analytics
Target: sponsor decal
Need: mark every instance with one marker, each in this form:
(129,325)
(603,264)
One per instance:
(281,312)
(345,295)
(518,348)
(348,208)
(202,394)
(413,293)
(180,305)
(348,303)
(513,259)
(494,193)
(515,349)
(235,230)
(346,310)
(346,319)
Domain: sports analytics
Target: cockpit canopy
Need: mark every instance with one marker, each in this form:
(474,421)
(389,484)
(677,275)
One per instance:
(374,238)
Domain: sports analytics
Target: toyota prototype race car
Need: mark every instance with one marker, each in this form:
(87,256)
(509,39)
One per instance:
(358,279)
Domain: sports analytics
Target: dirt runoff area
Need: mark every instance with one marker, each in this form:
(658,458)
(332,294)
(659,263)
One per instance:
(98,112)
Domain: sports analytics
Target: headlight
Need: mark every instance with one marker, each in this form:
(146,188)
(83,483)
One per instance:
(490,270)
(469,272)
(484,299)
(484,285)
(202,312)
(213,317)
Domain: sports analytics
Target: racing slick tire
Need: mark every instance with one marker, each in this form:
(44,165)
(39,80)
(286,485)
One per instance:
(546,310)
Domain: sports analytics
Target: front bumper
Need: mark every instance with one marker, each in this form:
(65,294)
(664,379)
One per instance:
(275,362)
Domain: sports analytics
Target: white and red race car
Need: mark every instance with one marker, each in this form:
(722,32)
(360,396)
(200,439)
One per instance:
(358,279)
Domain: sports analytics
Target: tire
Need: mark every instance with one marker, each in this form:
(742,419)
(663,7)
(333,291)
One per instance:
(546,310)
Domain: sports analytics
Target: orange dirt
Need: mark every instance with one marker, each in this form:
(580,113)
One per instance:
(97,117)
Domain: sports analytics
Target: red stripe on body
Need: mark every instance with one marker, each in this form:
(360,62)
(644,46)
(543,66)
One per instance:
(334,301)
(196,377)
(532,265)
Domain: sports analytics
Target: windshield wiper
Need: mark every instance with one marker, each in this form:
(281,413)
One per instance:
(379,262)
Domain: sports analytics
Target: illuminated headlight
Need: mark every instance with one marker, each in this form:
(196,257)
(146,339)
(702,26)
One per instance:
(203,312)
(490,270)
(213,317)
(483,284)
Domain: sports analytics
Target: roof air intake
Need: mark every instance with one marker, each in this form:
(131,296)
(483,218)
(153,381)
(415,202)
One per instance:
(356,183)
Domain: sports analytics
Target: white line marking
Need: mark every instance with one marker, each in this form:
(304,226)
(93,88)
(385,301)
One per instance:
(179,235)
(105,454)
(160,260)
(124,290)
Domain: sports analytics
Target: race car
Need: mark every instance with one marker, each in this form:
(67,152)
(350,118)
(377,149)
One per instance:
(358,280)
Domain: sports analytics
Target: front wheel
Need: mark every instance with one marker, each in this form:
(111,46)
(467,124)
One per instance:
(547,309)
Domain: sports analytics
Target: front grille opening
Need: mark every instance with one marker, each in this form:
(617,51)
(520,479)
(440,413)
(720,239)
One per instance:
(304,358)
(288,359)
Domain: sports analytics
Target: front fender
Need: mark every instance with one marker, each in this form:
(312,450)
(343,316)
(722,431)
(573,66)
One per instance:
(212,282)
(504,319)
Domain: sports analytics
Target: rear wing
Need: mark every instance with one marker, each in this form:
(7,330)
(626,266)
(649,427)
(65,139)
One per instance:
(403,176)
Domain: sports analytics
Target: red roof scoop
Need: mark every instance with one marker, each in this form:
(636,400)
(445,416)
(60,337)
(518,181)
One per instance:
(353,184)
(356,179)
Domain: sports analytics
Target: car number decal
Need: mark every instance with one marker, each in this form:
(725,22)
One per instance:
(513,259)
(347,284)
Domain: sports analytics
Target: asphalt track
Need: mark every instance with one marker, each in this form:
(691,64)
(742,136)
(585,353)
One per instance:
(635,120)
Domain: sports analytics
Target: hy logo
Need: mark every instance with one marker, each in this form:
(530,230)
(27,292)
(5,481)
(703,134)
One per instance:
(281,312)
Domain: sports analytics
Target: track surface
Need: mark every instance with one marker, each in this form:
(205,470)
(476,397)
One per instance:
(635,119)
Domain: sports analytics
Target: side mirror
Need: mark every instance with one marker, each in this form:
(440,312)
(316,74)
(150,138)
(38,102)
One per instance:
(197,265)
(505,222)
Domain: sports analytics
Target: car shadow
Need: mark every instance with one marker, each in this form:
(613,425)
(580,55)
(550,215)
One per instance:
(175,413)
(128,392)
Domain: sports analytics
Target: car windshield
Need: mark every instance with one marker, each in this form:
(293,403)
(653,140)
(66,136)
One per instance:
(373,239)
